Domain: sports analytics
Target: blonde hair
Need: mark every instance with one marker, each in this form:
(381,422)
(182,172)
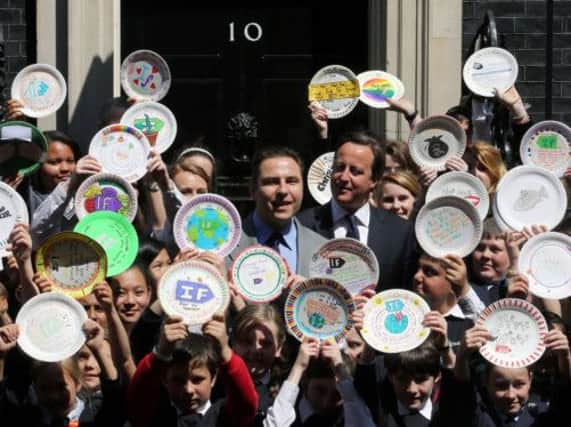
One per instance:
(491,158)
(404,179)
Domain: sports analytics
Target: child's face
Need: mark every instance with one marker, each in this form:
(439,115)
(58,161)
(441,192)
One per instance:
(188,388)
(322,394)
(430,281)
(490,260)
(94,310)
(89,368)
(355,344)
(56,390)
(159,265)
(508,388)
(413,391)
(259,347)
(133,295)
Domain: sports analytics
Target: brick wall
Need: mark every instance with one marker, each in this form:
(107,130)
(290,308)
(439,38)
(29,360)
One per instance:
(522,24)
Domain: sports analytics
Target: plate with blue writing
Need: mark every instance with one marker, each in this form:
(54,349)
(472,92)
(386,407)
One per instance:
(194,290)
(393,321)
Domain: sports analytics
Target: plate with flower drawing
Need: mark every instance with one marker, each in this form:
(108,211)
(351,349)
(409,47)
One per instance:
(393,321)
(145,75)
(517,329)
(106,192)
(155,120)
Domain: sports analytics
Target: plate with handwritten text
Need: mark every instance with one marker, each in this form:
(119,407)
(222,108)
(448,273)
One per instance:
(547,144)
(145,75)
(319,308)
(336,88)
(319,178)
(448,225)
(517,330)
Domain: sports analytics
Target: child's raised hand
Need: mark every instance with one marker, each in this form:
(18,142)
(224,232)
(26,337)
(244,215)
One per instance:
(20,242)
(438,327)
(331,352)
(237,301)
(186,254)
(308,349)
(87,165)
(456,163)
(213,259)
(104,296)
(8,338)
(427,175)
(557,342)
(457,274)
(216,328)
(157,170)
(14,109)
(94,334)
(173,329)
(320,118)
(360,300)
(518,287)
(13,181)
(475,338)
(43,283)
(293,279)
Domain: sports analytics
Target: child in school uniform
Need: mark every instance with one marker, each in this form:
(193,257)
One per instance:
(172,385)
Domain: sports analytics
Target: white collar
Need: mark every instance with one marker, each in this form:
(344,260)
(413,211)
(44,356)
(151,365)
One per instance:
(363,214)
(425,411)
(456,311)
(201,410)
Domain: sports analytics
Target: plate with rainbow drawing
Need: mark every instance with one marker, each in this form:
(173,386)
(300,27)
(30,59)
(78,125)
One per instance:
(377,86)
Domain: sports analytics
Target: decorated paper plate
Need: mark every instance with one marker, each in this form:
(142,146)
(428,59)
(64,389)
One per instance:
(72,262)
(194,290)
(393,321)
(529,195)
(448,225)
(106,192)
(145,75)
(319,178)
(155,120)
(122,150)
(517,329)
(208,222)
(335,88)
(348,262)
(13,209)
(490,68)
(259,274)
(435,139)
(547,144)
(40,88)
(319,308)
(51,327)
(463,185)
(377,86)
(498,218)
(546,261)
(115,234)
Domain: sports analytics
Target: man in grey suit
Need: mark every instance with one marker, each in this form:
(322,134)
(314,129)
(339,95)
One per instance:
(277,189)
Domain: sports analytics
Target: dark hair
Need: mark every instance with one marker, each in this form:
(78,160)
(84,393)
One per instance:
(259,314)
(180,166)
(423,360)
(138,264)
(3,290)
(399,151)
(553,319)
(271,153)
(197,351)
(59,136)
(320,368)
(149,248)
(111,111)
(371,140)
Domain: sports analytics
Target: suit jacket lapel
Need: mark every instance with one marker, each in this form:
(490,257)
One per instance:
(324,221)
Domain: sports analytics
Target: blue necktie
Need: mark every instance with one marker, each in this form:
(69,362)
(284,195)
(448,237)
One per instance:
(352,229)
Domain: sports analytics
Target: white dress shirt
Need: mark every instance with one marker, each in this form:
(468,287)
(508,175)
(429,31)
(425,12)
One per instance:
(341,223)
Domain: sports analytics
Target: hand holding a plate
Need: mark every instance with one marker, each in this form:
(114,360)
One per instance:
(14,110)
(427,175)
(320,118)
(158,171)
(474,339)
(8,338)
(216,328)
(456,163)
(13,181)
(518,287)
(512,100)
(557,342)
(21,243)
(405,107)
(457,274)
(360,300)
(213,259)
(42,283)
(87,165)
(104,295)
(331,353)
(308,349)
(172,330)
(94,334)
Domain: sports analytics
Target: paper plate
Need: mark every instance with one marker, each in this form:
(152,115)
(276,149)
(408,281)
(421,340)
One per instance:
(208,222)
(547,144)
(377,86)
(194,290)
(529,195)
(121,150)
(319,178)
(155,120)
(13,209)
(393,321)
(115,234)
(40,88)
(335,88)
(546,261)
(106,192)
(490,68)
(145,75)
(23,148)
(259,274)
(319,308)
(517,328)
(72,262)
(448,225)
(51,327)
(434,140)
(463,185)
(348,262)
(498,218)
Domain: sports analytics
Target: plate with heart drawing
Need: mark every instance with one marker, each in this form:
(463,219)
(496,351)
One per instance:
(145,75)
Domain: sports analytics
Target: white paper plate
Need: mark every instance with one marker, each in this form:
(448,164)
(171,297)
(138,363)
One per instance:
(377,86)
(121,150)
(529,195)
(498,218)
(393,321)
(13,209)
(145,75)
(546,260)
(517,329)
(194,290)
(547,144)
(463,185)
(335,88)
(448,225)
(155,120)
(41,88)
(435,139)
(348,262)
(490,68)
(319,178)
(51,327)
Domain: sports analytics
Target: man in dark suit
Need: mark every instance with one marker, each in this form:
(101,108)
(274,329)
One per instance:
(358,165)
